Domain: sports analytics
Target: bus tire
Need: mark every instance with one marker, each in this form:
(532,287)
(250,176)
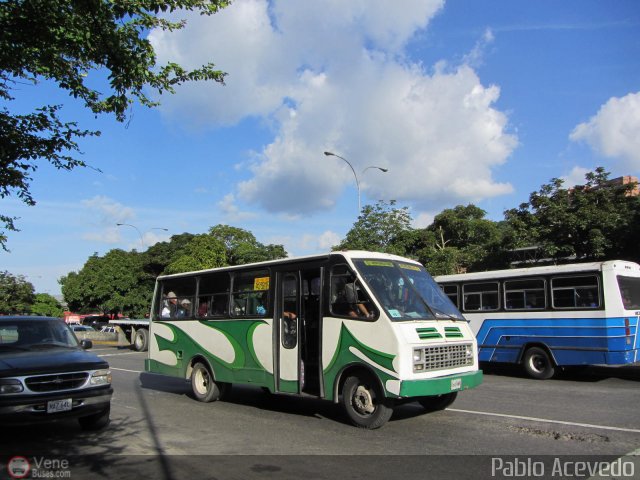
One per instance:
(141,340)
(205,388)
(437,402)
(538,363)
(366,407)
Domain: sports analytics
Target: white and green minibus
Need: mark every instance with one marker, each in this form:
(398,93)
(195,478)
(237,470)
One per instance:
(370,330)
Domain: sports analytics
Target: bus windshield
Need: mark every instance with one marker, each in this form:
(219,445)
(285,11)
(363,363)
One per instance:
(630,291)
(406,291)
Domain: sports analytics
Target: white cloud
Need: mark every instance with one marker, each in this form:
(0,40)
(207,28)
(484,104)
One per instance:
(328,239)
(110,211)
(615,130)
(331,75)
(231,211)
(576,177)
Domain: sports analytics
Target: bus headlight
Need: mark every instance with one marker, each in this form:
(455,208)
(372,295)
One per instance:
(418,355)
(469,351)
(101,377)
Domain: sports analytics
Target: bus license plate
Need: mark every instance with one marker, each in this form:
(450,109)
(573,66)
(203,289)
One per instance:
(456,383)
(55,406)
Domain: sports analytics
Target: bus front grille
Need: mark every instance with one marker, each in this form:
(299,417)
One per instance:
(442,357)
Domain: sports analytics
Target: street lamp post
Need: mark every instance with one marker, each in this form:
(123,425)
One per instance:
(139,232)
(384,170)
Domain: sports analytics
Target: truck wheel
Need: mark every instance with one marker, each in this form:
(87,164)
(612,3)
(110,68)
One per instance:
(205,388)
(538,364)
(96,421)
(364,404)
(437,402)
(141,340)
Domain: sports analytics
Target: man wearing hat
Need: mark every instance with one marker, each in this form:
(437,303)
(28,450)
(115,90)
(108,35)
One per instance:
(170,306)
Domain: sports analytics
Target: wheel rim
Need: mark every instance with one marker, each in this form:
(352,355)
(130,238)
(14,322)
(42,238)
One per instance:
(201,381)
(538,363)
(138,341)
(363,401)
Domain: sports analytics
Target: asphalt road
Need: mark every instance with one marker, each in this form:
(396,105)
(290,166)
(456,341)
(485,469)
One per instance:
(159,431)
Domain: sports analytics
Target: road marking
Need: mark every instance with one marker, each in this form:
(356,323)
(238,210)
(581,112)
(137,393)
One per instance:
(546,420)
(125,370)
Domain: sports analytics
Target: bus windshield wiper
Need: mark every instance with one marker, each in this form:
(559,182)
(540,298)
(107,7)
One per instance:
(446,315)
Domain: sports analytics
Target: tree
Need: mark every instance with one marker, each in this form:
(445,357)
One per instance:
(203,251)
(594,221)
(46,305)
(462,240)
(241,246)
(380,228)
(159,256)
(113,283)
(16,294)
(73,44)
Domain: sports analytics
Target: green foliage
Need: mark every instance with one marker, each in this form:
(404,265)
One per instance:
(46,305)
(461,240)
(123,281)
(71,43)
(113,283)
(241,246)
(588,222)
(16,294)
(203,251)
(380,228)
(158,257)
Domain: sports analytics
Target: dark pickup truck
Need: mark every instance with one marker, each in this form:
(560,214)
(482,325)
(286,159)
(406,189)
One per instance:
(46,374)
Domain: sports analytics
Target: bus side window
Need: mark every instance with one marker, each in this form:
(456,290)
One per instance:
(250,293)
(525,294)
(480,296)
(575,292)
(348,298)
(177,298)
(213,295)
(451,291)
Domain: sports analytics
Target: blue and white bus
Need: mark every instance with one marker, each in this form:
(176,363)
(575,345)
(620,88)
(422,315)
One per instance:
(554,316)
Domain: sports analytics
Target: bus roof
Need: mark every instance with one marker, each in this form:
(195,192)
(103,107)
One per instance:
(549,269)
(348,254)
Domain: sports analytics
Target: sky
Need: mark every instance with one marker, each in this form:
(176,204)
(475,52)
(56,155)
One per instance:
(462,101)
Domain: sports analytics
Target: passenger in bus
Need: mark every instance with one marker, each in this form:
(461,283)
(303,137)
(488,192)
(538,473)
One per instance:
(203,308)
(184,310)
(170,306)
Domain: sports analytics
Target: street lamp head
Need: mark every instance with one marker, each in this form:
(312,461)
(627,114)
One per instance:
(329,154)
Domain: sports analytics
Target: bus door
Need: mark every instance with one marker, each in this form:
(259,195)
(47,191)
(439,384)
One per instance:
(287,316)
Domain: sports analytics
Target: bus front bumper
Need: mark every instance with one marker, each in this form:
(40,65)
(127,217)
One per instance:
(440,385)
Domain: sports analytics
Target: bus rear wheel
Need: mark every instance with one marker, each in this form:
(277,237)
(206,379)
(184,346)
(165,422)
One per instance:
(538,364)
(205,388)
(366,407)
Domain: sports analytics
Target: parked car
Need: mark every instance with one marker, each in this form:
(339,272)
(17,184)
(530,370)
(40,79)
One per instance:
(82,328)
(46,374)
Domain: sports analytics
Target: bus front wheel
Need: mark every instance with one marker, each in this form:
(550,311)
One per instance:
(205,388)
(365,406)
(538,363)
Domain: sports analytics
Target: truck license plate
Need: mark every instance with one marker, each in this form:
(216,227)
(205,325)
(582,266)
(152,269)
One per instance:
(55,406)
(456,383)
